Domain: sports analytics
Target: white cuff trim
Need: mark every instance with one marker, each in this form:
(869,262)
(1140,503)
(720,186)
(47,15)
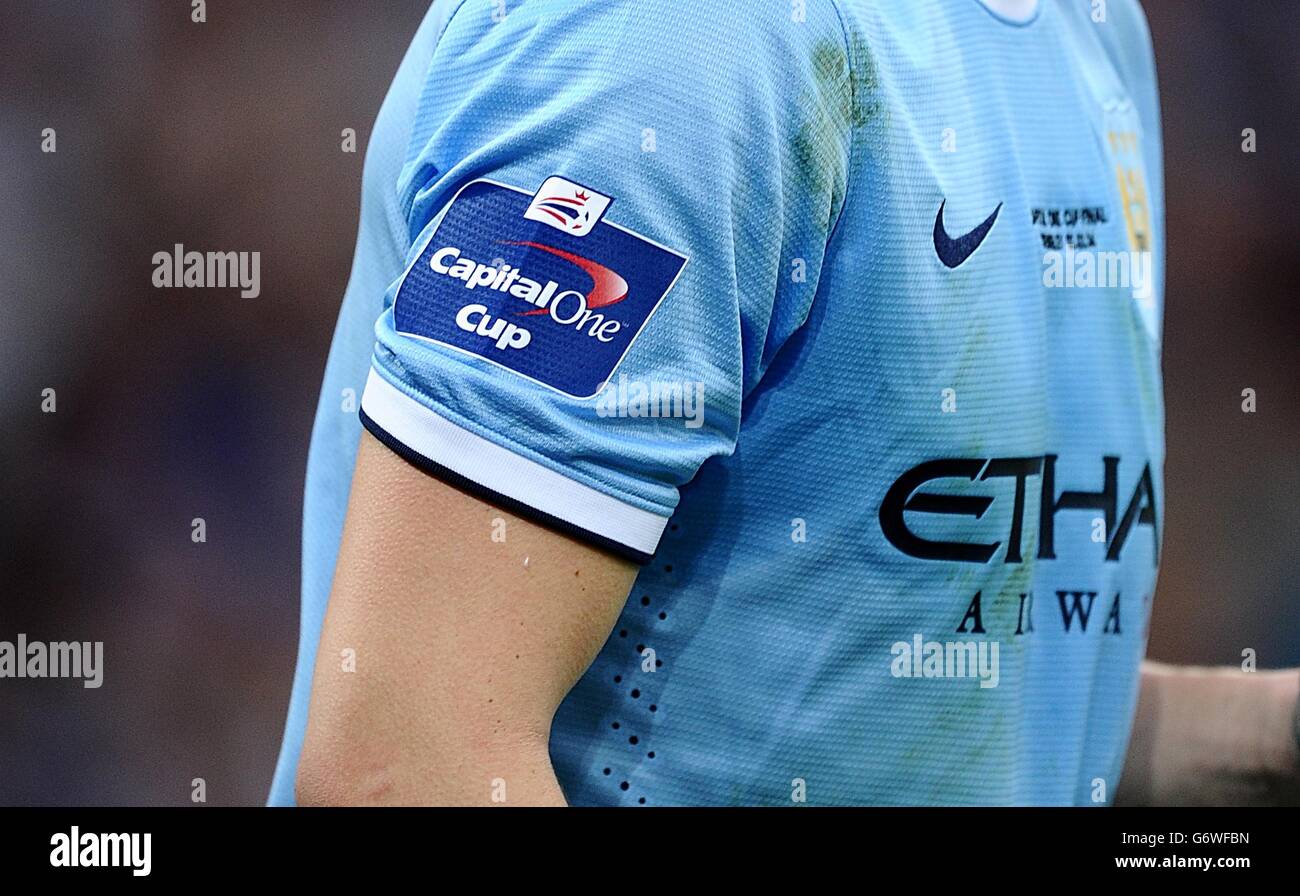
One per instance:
(508,475)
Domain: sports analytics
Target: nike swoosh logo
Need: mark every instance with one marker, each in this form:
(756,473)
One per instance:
(953,252)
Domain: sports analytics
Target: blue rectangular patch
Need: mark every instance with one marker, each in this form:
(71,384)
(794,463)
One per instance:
(536,283)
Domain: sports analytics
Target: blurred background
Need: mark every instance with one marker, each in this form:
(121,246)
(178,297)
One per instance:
(176,404)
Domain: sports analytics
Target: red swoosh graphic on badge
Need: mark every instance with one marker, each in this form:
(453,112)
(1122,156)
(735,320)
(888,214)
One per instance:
(608,287)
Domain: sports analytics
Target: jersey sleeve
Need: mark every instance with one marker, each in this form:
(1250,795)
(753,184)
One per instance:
(618,211)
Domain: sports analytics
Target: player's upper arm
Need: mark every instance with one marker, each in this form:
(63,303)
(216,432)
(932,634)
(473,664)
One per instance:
(454,630)
(626,193)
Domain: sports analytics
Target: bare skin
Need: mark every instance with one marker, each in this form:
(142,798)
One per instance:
(1213,737)
(465,646)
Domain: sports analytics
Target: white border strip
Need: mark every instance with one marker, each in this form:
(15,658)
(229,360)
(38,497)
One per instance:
(509,474)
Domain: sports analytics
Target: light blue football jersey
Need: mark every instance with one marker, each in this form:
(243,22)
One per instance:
(841,316)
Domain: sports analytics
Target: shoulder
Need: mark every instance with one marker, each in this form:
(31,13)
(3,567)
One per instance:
(688,42)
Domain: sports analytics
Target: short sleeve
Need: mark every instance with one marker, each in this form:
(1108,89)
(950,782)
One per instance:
(618,212)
